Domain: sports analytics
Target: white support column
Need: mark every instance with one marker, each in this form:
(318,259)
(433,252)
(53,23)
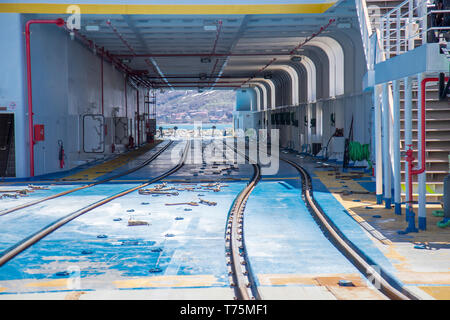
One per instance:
(396,146)
(378,145)
(386,147)
(408,133)
(422,212)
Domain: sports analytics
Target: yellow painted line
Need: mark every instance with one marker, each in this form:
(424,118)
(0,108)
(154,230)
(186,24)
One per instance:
(108,166)
(50,8)
(308,279)
(50,283)
(329,182)
(425,278)
(437,292)
(168,281)
(285,279)
(277,178)
(2,289)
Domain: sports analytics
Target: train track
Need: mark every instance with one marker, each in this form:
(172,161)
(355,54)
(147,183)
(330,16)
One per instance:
(238,265)
(24,244)
(383,282)
(32,203)
(239,270)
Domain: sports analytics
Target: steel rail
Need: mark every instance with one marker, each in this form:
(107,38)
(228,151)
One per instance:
(24,244)
(239,271)
(382,280)
(32,203)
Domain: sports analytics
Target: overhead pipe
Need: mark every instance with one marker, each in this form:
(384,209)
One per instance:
(219,30)
(171,55)
(293,51)
(59,22)
(136,74)
(422,120)
(108,22)
(199,54)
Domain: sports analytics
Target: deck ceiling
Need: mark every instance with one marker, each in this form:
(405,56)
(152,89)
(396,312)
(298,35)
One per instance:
(275,36)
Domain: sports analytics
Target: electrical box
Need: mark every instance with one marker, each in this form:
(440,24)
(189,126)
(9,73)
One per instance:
(93,133)
(39,132)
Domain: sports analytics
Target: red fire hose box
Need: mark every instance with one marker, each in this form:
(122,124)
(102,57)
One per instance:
(39,132)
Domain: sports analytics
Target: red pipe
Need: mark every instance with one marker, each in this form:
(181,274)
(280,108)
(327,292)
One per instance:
(219,29)
(138,120)
(59,22)
(409,153)
(101,79)
(422,127)
(126,101)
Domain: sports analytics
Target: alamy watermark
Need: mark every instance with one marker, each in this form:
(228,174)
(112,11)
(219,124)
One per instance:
(243,147)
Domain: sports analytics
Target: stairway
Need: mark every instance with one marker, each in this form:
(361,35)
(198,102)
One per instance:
(437,120)
(437,139)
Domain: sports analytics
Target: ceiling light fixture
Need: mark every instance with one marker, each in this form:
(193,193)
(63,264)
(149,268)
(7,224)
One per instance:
(210,28)
(92,28)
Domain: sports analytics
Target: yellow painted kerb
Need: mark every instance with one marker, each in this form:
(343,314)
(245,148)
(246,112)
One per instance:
(51,8)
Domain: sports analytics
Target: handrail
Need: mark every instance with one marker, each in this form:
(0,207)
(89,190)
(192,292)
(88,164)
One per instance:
(404,24)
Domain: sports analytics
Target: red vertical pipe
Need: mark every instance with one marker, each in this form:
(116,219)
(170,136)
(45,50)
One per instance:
(59,22)
(126,99)
(409,153)
(138,120)
(422,127)
(101,79)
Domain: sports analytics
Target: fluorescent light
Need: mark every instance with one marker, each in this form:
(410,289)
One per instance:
(210,28)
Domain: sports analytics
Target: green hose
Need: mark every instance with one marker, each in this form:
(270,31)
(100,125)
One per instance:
(359,152)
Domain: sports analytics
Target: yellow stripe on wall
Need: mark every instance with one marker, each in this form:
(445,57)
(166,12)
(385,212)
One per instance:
(51,8)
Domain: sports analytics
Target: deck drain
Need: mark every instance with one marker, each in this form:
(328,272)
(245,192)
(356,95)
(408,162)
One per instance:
(156,250)
(86,252)
(346,283)
(117,219)
(102,236)
(155,270)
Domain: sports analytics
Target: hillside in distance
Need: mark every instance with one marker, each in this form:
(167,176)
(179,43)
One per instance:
(187,106)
